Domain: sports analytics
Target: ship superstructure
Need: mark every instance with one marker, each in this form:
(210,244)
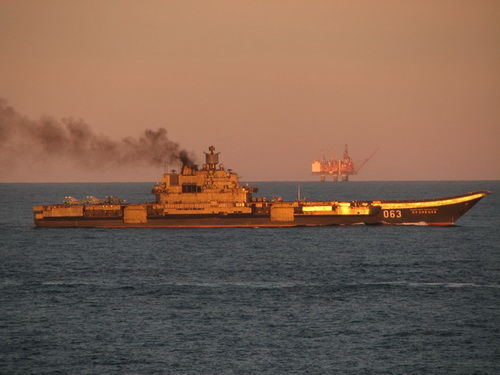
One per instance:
(211,189)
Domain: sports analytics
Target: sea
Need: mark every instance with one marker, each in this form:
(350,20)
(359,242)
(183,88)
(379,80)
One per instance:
(312,300)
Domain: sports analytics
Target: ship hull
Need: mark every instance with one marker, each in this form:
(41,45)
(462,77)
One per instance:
(209,221)
(438,212)
(443,211)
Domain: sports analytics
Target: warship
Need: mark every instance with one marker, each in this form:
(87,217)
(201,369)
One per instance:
(212,196)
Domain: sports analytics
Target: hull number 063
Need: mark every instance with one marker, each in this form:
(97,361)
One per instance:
(391,214)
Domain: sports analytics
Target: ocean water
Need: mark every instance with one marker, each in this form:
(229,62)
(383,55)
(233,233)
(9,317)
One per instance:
(332,300)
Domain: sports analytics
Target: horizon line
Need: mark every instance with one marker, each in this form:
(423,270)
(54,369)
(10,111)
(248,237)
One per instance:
(247,181)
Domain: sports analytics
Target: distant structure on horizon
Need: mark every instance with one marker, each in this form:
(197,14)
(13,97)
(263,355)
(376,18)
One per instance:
(339,169)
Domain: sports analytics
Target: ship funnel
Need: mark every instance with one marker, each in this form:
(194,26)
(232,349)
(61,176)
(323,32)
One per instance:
(212,158)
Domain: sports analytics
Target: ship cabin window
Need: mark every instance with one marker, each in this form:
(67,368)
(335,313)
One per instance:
(174,179)
(191,188)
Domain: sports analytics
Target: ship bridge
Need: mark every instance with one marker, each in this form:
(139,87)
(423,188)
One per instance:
(212,184)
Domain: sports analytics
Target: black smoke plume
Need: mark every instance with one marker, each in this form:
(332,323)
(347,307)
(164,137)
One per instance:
(73,140)
(186,159)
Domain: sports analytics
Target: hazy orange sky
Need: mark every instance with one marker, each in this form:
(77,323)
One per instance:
(273,84)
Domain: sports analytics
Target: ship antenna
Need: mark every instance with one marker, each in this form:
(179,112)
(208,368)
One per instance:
(298,192)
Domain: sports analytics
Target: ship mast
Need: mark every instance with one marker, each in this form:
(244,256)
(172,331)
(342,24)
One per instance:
(212,159)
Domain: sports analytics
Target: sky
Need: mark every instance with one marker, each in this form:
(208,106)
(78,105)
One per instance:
(272,84)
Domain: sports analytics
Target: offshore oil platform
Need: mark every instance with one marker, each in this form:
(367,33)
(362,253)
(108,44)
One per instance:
(339,169)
